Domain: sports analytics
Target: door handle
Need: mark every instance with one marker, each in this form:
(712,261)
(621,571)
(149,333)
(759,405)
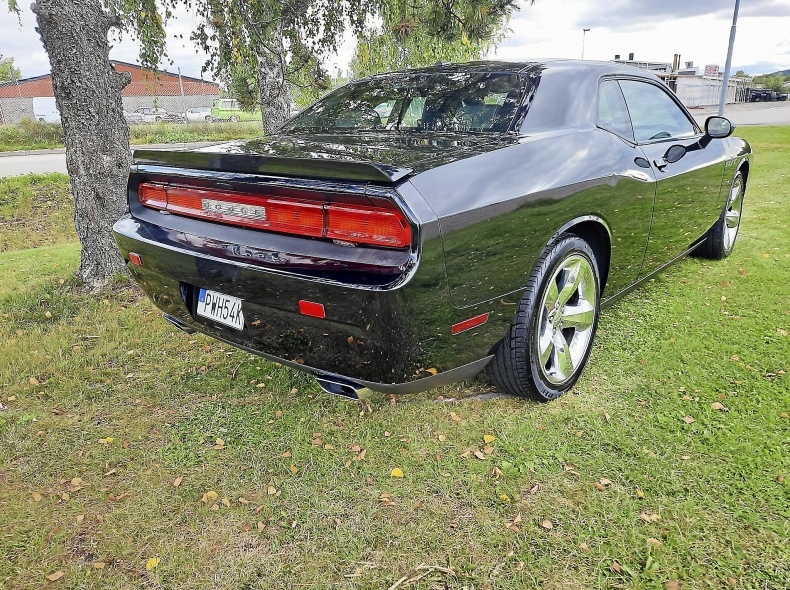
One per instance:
(661,164)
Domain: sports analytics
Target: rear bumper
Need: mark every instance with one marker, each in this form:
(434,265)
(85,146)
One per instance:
(395,340)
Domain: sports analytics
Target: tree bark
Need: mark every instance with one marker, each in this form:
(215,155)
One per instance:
(274,96)
(88,94)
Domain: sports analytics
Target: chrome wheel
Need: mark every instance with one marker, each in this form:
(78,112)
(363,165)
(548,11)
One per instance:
(565,326)
(732,214)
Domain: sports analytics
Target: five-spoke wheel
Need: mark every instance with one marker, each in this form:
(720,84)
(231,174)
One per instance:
(551,335)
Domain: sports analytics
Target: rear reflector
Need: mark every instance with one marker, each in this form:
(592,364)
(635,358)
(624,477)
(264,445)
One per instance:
(470,323)
(349,223)
(135,259)
(315,310)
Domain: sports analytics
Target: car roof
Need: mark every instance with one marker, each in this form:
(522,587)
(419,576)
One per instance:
(527,66)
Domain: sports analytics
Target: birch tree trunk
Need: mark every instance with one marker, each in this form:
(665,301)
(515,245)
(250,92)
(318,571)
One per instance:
(88,94)
(274,96)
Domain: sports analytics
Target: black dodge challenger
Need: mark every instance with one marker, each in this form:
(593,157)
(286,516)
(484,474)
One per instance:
(416,227)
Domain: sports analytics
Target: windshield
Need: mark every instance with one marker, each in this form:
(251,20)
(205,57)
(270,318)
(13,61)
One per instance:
(462,101)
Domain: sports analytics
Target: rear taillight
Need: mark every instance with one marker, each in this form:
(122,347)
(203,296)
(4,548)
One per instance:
(349,223)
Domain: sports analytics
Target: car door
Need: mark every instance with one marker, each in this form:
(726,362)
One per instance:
(688,191)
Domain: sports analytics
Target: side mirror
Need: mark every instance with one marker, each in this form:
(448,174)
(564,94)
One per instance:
(718,127)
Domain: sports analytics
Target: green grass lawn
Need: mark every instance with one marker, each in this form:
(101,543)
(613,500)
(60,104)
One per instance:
(134,456)
(34,135)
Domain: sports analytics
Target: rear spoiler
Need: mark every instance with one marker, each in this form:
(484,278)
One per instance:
(320,168)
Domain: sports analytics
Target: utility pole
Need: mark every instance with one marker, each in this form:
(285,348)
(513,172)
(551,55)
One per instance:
(183,100)
(726,81)
(584,34)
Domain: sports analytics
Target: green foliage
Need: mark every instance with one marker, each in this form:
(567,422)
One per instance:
(7,70)
(30,134)
(774,83)
(414,35)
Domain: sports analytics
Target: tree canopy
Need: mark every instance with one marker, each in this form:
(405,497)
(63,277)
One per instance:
(7,70)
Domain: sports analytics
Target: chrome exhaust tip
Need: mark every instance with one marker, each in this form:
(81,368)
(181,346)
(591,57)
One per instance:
(179,324)
(344,388)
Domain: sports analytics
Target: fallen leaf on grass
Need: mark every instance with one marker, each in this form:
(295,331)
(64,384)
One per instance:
(54,576)
(653,543)
(209,496)
(617,567)
(271,490)
(177,481)
(671,585)
(649,517)
(584,547)
(511,524)
(219,445)
(639,493)
(599,486)
(432,371)
(455,417)
(396,472)
(488,438)
(152,563)
(260,526)
(328,447)
(605,482)
(99,565)
(442,438)
(688,419)
(547,524)
(37,497)
(718,406)
(478,454)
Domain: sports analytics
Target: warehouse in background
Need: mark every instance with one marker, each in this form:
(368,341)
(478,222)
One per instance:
(694,90)
(33,97)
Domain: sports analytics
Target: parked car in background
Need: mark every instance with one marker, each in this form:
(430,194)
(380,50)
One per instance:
(412,228)
(155,114)
(45,109)
(133,118)
(227,109)
(782,96)
(197,115)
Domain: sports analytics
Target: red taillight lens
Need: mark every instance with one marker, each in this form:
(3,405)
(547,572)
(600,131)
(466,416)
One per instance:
(367,226)
(350,223)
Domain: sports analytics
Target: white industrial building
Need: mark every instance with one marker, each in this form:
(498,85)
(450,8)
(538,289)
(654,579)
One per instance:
(693,90)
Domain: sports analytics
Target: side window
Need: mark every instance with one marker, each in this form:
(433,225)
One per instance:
(654,115)
(612,112)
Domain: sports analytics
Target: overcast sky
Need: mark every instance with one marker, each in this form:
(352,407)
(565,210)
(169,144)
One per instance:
(653,30)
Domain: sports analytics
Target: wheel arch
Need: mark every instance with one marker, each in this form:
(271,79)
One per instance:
(743,168)
(596,232)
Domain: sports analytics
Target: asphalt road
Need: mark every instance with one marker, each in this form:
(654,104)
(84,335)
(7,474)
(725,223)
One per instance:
(41,162)
(46,161)
(750,113)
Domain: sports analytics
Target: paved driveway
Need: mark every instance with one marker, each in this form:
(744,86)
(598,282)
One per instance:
(750,113)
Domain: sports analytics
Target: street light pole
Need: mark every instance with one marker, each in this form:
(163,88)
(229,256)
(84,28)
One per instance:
(726,81)
(584,34)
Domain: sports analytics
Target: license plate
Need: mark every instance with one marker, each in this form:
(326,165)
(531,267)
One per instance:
(221,308)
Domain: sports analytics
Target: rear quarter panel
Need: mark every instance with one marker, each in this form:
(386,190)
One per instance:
(498,210)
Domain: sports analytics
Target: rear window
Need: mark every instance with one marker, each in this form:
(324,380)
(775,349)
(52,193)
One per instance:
(462,101)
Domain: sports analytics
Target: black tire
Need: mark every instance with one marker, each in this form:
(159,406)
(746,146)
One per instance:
(720,238)
(516,366)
